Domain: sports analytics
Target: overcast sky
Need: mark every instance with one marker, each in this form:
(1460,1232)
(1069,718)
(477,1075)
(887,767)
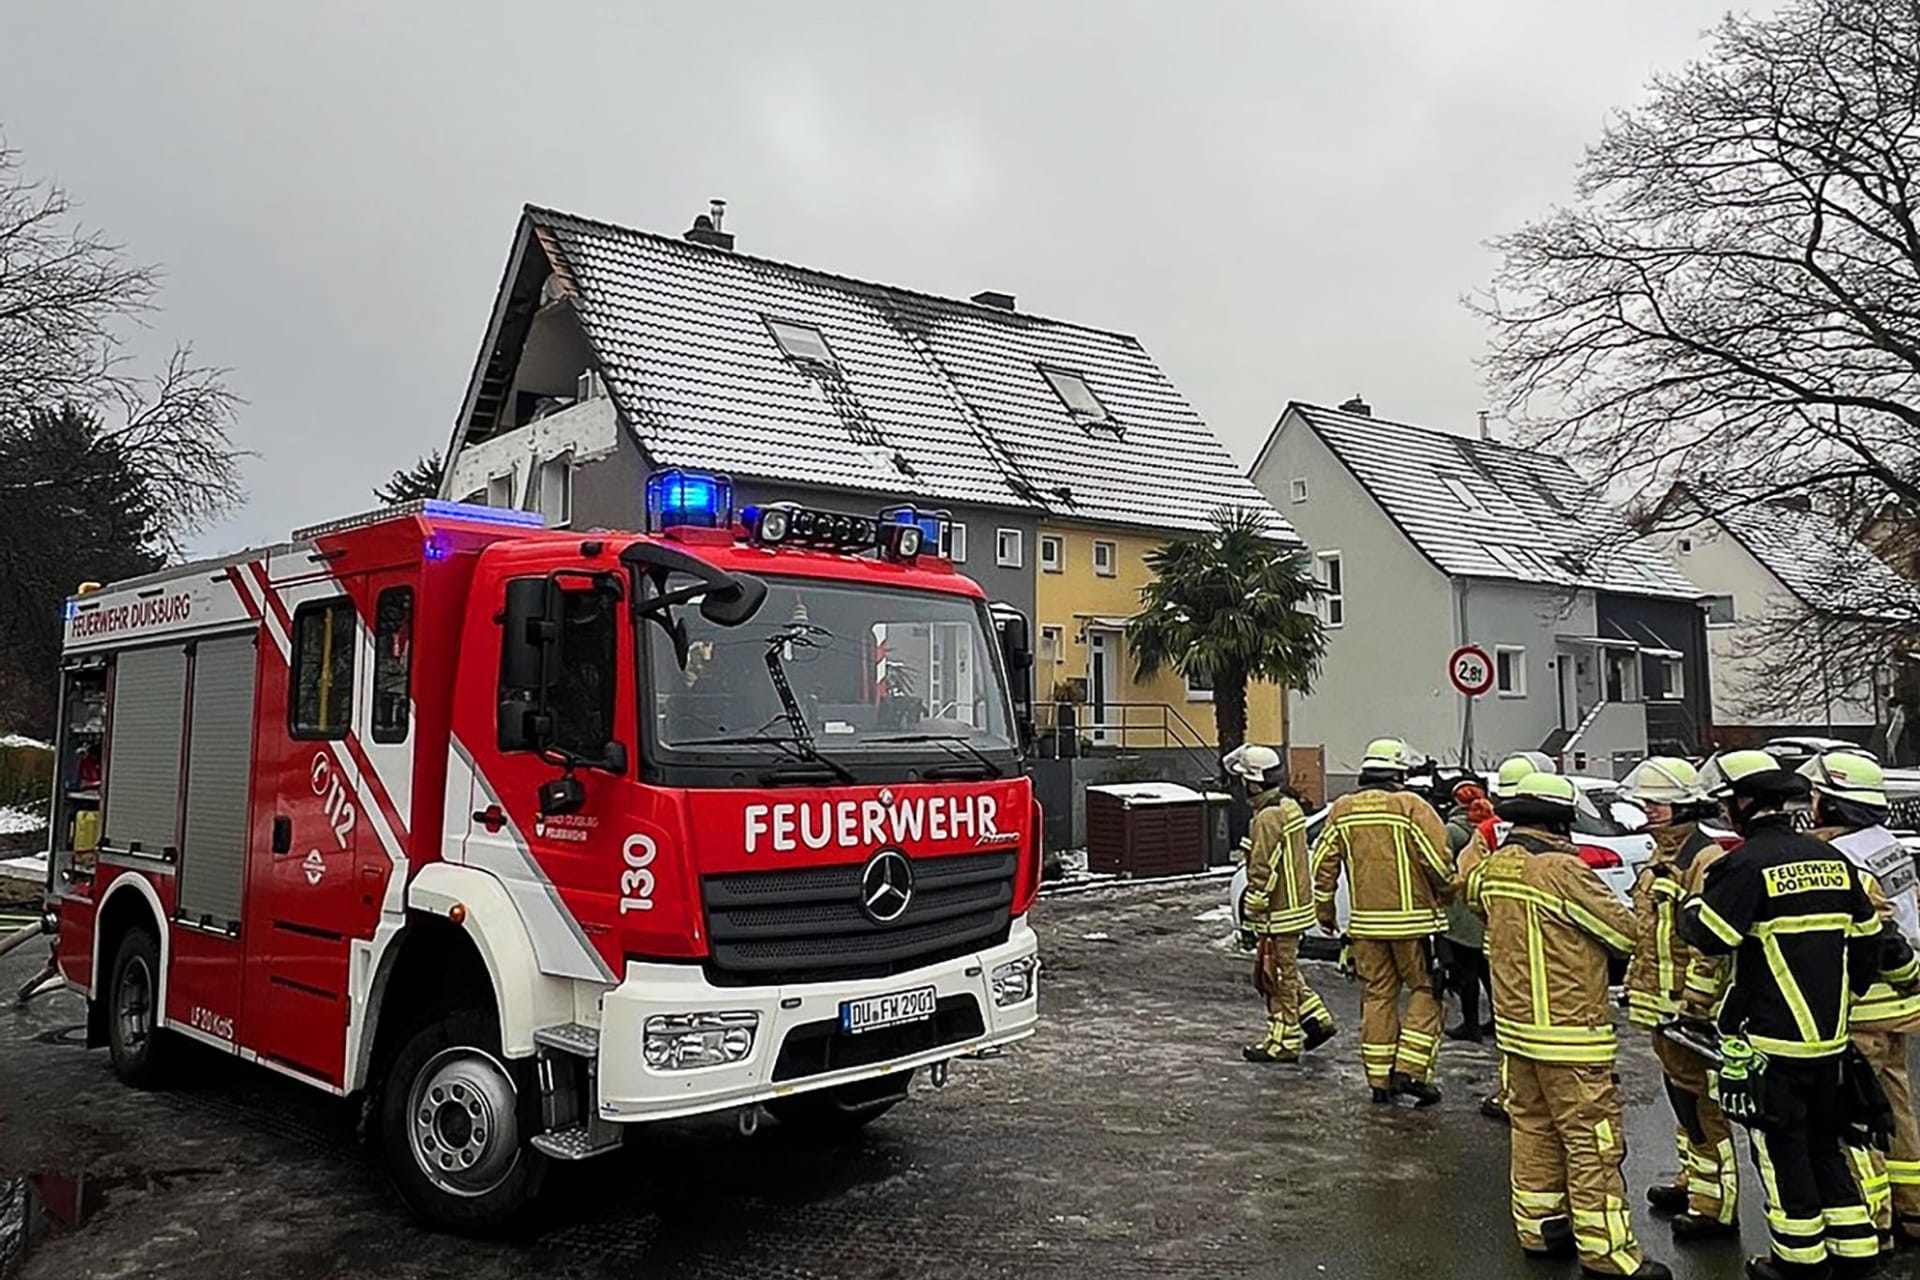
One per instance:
(1284,199)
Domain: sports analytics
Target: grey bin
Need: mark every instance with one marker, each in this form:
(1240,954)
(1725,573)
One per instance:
(1142,829)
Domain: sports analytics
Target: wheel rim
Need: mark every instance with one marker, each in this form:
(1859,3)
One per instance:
(460,1122)
(133,1005)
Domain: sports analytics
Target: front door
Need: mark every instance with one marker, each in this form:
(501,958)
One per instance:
(1103,665)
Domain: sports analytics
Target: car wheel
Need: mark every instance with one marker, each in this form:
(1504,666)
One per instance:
(136,1042)
(450,1123)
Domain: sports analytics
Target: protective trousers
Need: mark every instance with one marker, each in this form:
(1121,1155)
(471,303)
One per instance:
(1388,1041)
(1568,1141)
(1291,1004)
(1891,1181)
(1709,1168)
(1814,1210)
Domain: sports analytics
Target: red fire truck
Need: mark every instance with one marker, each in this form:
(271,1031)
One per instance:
(524,836)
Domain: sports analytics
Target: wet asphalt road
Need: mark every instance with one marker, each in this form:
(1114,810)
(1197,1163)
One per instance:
(1128,1139)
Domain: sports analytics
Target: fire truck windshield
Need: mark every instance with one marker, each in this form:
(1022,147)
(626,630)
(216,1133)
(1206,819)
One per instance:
(871,670)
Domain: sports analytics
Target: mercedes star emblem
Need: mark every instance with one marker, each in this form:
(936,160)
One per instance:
(886,886)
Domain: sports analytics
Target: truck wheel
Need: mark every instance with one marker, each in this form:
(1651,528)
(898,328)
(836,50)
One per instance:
(844,1109)
(450,1123)
(135,1040)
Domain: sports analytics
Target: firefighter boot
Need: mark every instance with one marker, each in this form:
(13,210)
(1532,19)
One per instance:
(1268,1051)
(1666,1198)
(1689,1228)
(1557,1237)
(1424,1093)
(1318,1033)
(1647,1270)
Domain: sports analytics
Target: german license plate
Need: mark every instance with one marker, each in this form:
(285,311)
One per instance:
(889,1010)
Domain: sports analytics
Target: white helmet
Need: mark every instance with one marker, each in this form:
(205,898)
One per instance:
(1662,780)
(1250,762)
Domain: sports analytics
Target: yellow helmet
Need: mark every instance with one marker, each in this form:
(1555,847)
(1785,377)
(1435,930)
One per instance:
(1517,768)
(1662,780)
(1748,773)
(1848,775)
(1387,753)
(1548,788)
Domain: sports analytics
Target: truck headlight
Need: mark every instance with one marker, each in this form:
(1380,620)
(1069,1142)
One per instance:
(1013,981)
(683,1041)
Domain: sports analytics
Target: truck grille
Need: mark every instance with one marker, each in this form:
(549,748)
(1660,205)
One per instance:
(815,1048)
(807,926)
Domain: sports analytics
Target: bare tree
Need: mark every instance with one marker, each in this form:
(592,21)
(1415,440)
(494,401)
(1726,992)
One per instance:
(1733,296)
(68,298)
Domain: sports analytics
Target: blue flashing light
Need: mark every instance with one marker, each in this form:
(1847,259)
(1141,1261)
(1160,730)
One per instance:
(932,524)
(441,510)
(682,499)
(436,548)
(70,610)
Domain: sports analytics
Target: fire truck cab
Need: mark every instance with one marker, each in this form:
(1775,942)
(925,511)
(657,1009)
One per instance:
(523,836)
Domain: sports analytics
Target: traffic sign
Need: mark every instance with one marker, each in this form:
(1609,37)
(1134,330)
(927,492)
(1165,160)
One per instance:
(1471,670)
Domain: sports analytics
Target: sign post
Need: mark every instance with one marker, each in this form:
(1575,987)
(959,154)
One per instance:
(1470,669)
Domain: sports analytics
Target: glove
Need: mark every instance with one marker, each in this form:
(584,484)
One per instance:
(1329,921)
(1253,905)
(1347,969)
(1740,1085)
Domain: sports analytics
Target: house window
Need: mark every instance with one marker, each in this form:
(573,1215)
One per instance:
(1686,545)
(1106,559)
(1299,489)
(1077,396)
(553,490)
(1052,645)
(1333,588)
(1199,686)
(1007,549)
(801,343)
(1720,612)
(322,688)
(1467,498)
(500,491)
(1673,679)
(1510,670)
(953,543)
(1052,556)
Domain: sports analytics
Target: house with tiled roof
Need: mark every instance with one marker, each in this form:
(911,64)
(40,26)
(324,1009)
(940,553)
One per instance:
(1426,541)
(1062,451)
(1763,564)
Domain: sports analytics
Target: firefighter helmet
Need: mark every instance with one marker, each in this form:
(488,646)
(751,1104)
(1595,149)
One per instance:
(1387,754)
(1256,764)
(1518,767)
(1662,780)
(1750,773)
(1848,775)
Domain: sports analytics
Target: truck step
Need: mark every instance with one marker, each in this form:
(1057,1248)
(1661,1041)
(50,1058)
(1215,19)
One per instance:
(571,1037)
(580,1142)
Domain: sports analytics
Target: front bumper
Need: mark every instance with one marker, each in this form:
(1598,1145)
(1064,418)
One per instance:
(631,1091)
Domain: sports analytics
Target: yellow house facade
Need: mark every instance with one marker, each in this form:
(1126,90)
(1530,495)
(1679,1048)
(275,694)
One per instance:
(1087,582)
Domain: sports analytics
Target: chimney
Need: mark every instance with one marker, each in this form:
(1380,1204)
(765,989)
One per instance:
(706,227)
(1359,406)
(1486,432)
(991,298)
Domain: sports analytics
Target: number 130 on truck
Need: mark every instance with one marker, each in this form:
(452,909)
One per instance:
(523,837)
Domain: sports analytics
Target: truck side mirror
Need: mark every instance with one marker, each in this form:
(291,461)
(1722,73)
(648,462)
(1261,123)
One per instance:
(734,603)
(530,634)
(1016,649)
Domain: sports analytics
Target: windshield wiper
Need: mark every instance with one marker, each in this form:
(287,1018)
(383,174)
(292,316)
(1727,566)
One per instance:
(948,741)
(804,636)
(789,748)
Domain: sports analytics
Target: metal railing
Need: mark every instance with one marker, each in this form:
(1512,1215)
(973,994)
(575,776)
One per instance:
(1067,729)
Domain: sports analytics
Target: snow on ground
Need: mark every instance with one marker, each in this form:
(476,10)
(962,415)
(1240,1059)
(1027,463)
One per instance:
(19,820)
(22,740)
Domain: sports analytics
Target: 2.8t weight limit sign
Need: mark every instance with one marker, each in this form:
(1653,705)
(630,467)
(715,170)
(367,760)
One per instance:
(1471,670)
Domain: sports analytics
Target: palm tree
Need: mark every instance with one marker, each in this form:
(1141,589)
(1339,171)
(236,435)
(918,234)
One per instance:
(1232,605)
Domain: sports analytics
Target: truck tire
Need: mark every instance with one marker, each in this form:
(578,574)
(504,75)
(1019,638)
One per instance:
(136,1042)
(452,1126)
(844,1109)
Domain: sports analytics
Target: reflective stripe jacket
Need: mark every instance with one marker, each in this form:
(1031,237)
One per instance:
(1279,893)
(1804,936)
(1657,978)
(1888,872)
(1550,924)
(1394,848)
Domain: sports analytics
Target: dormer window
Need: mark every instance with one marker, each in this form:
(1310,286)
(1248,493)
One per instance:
(1467,498)
(1082,405)
(801,343)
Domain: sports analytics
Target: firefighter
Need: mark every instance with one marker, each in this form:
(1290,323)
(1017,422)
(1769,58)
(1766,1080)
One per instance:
(1805,937)
(1850,812)
(1514,770)
(1704,1196)
(1394,850)
(1277,908)
(1551,923)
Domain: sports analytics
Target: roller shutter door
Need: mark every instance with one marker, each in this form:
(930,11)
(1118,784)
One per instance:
(143,750)
(219,764)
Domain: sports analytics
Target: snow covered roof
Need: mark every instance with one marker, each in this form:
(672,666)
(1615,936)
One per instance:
(723,361)
(1824,566)
(1479,509)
